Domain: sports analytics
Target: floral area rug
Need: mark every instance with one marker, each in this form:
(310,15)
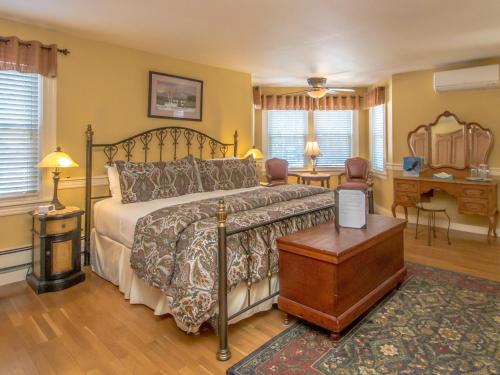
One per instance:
(437,322)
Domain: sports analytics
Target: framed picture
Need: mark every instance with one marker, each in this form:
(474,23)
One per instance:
(175,97)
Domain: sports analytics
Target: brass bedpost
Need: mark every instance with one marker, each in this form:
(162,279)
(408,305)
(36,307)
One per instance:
(88,194)
(371,208)
(236,143)
(223,354)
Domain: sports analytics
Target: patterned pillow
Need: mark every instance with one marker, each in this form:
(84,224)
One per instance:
(181,177)
(226,174)
(142,182)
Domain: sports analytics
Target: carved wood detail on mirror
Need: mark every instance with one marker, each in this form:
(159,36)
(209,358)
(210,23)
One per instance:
(449,142)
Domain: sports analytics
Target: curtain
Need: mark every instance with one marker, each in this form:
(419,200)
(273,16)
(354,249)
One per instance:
(304,102)
(375,97)
(28,56)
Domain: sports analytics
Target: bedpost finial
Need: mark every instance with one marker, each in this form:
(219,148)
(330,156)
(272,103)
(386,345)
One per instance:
(221,213)
(89,131)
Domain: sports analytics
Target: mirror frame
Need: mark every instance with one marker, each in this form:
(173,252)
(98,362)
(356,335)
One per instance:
(466,126)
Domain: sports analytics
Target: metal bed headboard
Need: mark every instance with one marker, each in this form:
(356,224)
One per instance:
(167,138)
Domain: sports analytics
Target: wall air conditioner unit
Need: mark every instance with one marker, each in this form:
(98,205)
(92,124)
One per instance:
(481,77)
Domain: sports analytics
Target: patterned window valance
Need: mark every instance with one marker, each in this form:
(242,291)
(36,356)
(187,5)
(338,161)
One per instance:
(329,102)
(375,97)
(28,56)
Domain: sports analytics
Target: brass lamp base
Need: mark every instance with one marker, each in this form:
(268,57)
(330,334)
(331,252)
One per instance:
(55,201)
(313,159)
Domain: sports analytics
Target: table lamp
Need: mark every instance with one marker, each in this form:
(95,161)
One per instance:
(255,152)
(312,150)
(57,159)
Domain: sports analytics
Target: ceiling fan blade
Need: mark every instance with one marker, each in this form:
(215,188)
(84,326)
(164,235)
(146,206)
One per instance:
(338,89)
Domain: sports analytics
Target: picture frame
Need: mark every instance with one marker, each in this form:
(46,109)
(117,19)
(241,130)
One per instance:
(351,208)
(175,97)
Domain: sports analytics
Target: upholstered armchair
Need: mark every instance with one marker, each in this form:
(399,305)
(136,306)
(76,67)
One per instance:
(277,171)
(357,175)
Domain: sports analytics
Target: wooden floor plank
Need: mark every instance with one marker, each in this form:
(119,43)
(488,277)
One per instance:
(91,329)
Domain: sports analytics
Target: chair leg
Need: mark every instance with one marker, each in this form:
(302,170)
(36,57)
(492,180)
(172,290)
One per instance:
(429,228)
(448,231)
(416,227)
(434,224)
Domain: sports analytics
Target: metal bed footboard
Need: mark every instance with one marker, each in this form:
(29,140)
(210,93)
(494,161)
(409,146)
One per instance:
(286,224)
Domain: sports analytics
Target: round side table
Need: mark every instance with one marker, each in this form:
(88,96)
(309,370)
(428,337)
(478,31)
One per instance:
(323,178)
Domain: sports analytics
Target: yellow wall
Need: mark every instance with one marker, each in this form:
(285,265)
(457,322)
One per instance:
(414,102)
(107,86)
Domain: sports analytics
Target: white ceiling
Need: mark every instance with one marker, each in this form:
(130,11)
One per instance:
(281,42)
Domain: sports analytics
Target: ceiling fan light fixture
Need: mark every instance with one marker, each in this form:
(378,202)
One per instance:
(317,93)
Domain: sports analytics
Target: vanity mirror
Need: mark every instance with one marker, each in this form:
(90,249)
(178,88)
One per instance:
(449,142)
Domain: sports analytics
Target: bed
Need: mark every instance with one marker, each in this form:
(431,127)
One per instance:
(207,256)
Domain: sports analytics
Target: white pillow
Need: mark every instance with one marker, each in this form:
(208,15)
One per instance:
(114,182)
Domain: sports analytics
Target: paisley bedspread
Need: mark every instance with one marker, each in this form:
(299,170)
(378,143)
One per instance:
(175,248)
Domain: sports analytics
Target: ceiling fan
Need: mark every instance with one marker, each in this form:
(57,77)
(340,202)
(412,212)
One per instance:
(319,89)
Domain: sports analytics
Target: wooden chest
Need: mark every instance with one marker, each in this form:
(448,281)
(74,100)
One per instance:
(330,278)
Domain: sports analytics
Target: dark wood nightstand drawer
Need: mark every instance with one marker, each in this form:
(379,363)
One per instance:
(57,226)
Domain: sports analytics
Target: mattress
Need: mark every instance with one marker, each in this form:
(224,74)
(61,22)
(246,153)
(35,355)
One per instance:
(117,221)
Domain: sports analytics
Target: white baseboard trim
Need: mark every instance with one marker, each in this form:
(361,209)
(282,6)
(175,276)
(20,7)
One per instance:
(15,263)
(440,223)
(13,276)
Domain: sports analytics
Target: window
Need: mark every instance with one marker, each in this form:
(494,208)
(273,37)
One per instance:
(27,131)
(287,136)
(334,132)
(20,97)
(377,137)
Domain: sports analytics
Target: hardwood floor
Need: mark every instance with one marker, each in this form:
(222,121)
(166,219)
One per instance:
(91,329)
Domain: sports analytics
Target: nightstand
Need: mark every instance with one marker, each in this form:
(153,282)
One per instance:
(56,250)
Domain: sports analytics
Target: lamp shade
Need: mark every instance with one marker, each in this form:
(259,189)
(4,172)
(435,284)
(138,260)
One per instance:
(255,152)
(57,159)
(317,93)
(312,149)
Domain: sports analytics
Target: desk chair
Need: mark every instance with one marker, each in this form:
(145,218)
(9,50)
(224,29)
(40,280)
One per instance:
(431,220)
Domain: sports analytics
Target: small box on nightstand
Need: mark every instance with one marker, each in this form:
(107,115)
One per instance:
(56,250)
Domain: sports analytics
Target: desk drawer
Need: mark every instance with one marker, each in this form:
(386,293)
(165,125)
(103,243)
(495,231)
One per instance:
(406,199)
(474,206)
(475,192)
(407,186)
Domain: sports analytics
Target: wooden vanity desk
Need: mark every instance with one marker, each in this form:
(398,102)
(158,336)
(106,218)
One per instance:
(453,146)
(474,198)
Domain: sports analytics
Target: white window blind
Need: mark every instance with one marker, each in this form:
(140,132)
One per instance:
(377,126)
(286,136)
(333,132)
(19,133)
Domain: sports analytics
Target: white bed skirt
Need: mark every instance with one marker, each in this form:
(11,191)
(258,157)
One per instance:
(111,261)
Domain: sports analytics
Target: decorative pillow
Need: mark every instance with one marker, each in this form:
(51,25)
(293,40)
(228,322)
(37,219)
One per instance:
(181,177)
(114,182)
(226,174)
(140,182)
